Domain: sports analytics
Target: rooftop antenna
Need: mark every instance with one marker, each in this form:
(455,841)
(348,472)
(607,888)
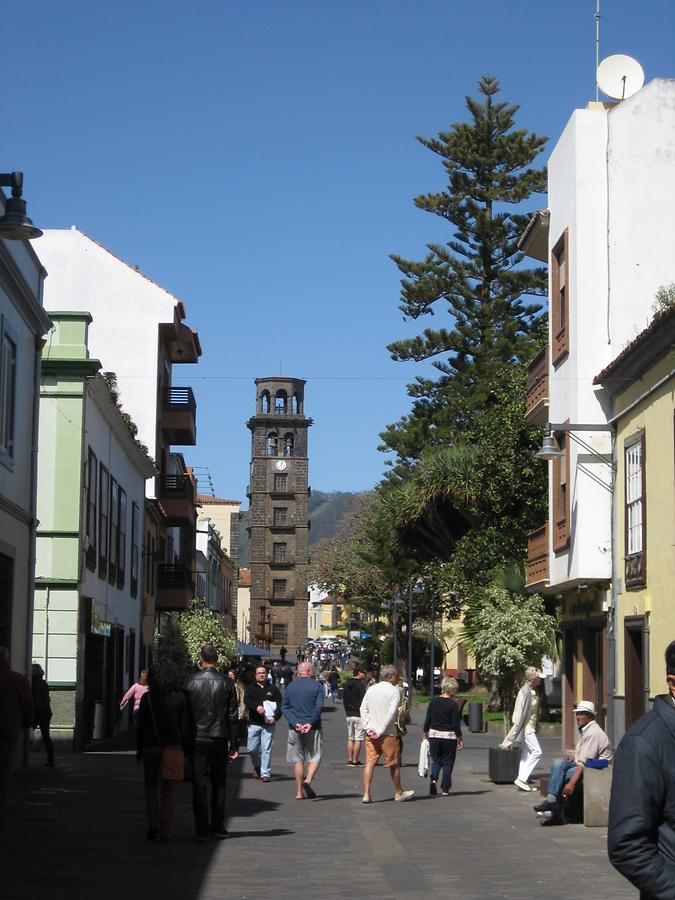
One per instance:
(619,76)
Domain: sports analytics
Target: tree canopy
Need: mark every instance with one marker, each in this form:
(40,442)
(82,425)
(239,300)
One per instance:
(477,277)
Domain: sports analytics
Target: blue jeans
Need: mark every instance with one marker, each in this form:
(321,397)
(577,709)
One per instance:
(561,772)
(442,753)
(260,738)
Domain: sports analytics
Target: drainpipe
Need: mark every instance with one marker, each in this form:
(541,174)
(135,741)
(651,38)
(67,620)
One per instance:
(32,527)
(611,631)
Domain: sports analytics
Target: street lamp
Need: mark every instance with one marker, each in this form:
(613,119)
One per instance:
(395,605)
(416,588)
(15,224)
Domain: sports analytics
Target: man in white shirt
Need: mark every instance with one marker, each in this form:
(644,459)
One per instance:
(378,719)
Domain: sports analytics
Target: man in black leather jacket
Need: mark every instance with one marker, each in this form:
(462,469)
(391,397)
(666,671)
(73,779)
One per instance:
(215,712)
(641,837)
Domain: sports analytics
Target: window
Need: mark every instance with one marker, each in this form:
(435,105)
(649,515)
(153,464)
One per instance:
(279,634)
(280,403)
(122,539)
(91,523)
(561,497)
(113,543)
(265,403)
(280,481)
(7,391)
(279,587)
(134,550)
(295,405)
(279,515)
(272,444)
(634,459)
(103,506)
(560,298)
(279,554)
(288,445)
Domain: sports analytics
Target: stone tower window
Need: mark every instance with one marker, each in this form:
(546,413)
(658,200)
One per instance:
(279,587)
(280,481)
(272,444)
(295,405)
(288,445)
(265,403)
(279,554)
(280,403)
(279,515)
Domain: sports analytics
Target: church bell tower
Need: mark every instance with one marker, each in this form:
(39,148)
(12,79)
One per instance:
(279,524)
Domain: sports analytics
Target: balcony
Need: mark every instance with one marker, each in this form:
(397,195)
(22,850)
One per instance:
(180,343)
(177,496)
(175,587)
(536,401)
(178,416)
(537,559)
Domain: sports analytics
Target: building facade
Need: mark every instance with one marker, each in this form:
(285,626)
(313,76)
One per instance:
(138,333)
(640,388)
(605,236)
(23,322)
(279,523)
(88,574)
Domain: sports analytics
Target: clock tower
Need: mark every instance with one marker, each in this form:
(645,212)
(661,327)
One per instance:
(278,495)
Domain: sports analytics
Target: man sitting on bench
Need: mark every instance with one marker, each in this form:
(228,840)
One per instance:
(591,743)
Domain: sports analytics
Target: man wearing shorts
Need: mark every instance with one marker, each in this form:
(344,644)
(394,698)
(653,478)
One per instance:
(302,705)
(378,719)
(352,697)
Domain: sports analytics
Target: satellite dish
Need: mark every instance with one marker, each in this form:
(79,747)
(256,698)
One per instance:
(620,76)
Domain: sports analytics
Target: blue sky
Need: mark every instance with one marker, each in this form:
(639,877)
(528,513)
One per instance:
(259,161)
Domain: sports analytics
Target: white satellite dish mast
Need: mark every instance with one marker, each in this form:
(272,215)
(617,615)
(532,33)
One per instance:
(620,76)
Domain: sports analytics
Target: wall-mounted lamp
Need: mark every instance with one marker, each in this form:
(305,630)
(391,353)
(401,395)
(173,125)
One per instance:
(550,450)
(15,224)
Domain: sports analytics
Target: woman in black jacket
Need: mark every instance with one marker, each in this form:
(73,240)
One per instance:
(163,721)
(443,729)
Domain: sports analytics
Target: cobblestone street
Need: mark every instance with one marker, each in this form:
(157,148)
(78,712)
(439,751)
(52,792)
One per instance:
(79,829)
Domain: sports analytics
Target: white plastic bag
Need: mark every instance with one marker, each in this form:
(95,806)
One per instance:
(423,765)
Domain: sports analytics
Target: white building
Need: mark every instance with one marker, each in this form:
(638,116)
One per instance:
(607,237)
(138,333)
(23,322)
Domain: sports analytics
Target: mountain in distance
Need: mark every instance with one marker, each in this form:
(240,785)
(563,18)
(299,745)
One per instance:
(326,510)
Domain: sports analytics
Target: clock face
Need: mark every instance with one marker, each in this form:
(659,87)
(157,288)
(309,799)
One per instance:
(281,465)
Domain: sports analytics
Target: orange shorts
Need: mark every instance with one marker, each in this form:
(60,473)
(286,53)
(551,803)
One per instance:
(388,747)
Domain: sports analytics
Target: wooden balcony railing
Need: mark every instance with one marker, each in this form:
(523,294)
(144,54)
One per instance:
(536,402)
(537,557)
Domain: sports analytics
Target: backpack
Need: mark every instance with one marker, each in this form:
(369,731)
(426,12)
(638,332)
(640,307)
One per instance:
(402,718)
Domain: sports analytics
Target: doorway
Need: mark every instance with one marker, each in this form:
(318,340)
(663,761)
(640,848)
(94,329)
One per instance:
(634,668)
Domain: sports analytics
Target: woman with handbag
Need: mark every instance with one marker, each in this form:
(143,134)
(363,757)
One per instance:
(161,738)
(443,729)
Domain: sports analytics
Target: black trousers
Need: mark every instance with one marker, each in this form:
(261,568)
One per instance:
(209,771)
(42,722)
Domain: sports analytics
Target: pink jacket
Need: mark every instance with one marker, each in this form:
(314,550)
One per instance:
(136,691)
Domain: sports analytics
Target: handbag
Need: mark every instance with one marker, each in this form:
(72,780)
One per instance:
(402,718)
(172,756)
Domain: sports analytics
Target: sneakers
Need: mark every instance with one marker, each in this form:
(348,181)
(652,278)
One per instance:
(522,785)
(552,820)
(308,790)
(219,833)
(265,778)
(350,764)
(202,839)
(433,790)
(366,799)
(357,763)
(403,796)
(546,806)
(256,772)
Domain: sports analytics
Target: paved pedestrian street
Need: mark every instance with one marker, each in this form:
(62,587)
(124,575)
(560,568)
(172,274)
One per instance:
(78,832)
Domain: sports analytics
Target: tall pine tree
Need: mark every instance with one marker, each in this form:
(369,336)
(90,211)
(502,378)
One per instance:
(478,274)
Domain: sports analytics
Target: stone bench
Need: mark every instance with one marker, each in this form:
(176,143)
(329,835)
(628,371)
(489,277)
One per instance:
(589,804)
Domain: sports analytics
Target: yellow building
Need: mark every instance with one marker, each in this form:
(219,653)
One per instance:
(639,386)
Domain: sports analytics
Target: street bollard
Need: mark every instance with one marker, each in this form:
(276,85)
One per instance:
(475,717)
